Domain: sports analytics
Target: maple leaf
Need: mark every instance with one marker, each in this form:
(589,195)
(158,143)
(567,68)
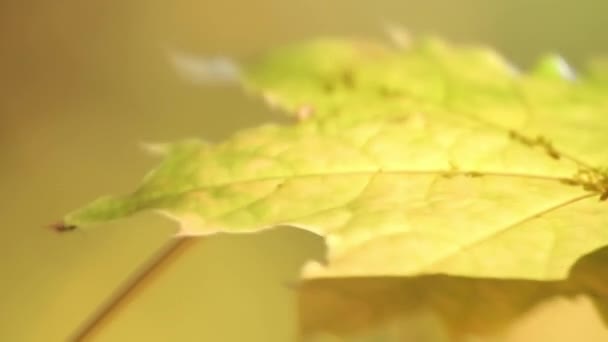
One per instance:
(416,162)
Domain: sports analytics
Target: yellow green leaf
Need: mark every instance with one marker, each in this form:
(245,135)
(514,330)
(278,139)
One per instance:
(428,161)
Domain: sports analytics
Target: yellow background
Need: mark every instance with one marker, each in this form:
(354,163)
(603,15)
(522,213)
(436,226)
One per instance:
(83,82)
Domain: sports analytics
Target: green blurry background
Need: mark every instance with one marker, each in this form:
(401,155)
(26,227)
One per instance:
(83,82)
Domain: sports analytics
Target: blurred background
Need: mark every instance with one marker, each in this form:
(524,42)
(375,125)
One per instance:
(82,83)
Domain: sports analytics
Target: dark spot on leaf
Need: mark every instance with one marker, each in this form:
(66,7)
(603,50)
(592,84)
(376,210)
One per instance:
(473,174)
(538,141)
(604,196)
(347,78)
(542,141)
(385,91)
(449,174)
(590,187)
(552,152)
(569,181)
(520,138)
(328,87)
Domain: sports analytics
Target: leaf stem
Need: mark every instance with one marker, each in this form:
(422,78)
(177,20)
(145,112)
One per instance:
(127,291)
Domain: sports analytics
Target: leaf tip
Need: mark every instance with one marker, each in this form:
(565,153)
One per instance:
(205,70)
(62,227)
(155,149)
(555,66)
(398,35)
(312,269)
